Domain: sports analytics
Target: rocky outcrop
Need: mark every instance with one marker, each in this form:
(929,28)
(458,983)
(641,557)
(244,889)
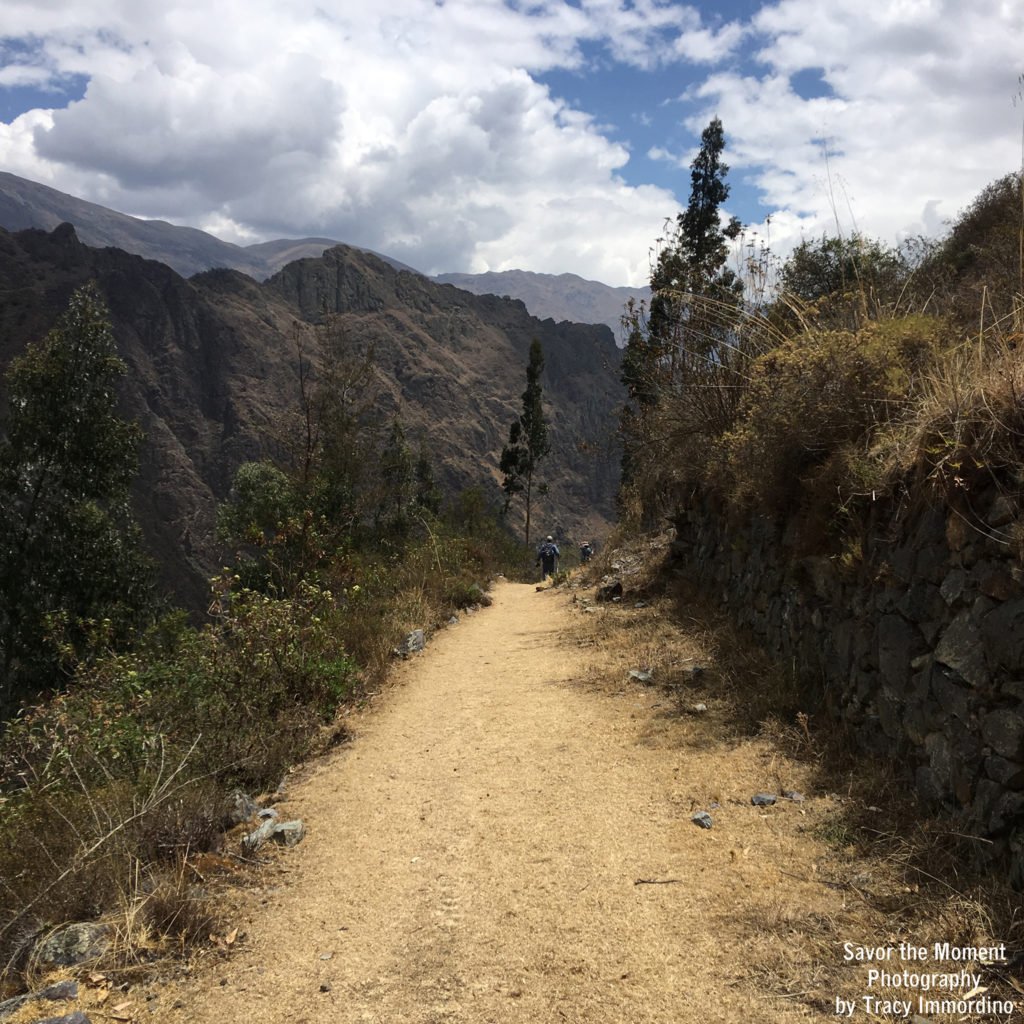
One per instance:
(287,833)
(66,991)
(919,645)
(73,944)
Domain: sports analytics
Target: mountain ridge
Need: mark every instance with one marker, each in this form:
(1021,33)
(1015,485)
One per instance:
(29,204)
(553,295)
(212,374)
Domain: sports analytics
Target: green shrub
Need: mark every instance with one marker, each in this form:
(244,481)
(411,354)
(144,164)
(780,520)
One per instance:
(977,272)
(462,593)
(263,661)
(129,766)
(118,780)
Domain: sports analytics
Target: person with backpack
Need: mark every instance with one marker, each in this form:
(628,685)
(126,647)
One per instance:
(547,558)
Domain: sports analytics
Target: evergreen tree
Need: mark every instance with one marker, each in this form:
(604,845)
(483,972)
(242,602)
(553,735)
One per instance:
(285,517)
(69,547)
(428,495)
(343,397)
(527,440)
(685,338)
(689,276)
(407,490)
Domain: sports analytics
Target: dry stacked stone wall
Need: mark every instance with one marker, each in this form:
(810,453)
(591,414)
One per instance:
(917,642)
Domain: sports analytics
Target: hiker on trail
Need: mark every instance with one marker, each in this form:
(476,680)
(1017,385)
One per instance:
(586,550)
(547,558)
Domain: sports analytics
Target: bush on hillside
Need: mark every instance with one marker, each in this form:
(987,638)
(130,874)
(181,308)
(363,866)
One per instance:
(199,697)
(813,407)
(977,272)
(969,427)
(839,283)
(128,768)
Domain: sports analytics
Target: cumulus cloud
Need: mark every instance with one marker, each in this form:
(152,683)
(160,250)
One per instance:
(24,74)
(918,119)
(414,129)
(423,130)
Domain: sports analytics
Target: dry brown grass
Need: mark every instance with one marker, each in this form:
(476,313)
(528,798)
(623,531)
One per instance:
(859,863)
(969,422)
(167,922)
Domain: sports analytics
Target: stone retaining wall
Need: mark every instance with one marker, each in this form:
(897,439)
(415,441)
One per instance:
(918,643)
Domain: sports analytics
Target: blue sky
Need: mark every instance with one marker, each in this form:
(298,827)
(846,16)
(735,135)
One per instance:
(544,135)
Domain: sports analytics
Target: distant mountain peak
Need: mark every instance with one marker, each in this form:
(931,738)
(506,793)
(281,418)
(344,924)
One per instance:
(555,296)
(29,204)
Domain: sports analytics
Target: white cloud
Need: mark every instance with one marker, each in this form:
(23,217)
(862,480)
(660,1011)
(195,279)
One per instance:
(23,74)
(706,46)
(420,129)
(414,129)
(919,120)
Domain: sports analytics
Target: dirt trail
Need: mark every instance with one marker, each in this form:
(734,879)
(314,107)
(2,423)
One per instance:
(473,856)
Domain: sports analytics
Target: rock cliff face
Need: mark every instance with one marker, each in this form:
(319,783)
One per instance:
(453,365)
(212,373)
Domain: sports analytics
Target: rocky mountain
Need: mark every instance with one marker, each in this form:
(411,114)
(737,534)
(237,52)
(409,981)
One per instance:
(212,374)
(29,204)
(561,296)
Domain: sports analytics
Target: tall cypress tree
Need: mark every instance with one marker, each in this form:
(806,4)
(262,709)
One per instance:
(686,331)
(527,439)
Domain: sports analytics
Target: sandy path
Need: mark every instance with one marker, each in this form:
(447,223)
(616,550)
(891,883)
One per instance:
(473,855)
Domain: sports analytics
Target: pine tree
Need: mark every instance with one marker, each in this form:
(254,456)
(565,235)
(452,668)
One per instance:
(527,440)
(69,547)
(429,496)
